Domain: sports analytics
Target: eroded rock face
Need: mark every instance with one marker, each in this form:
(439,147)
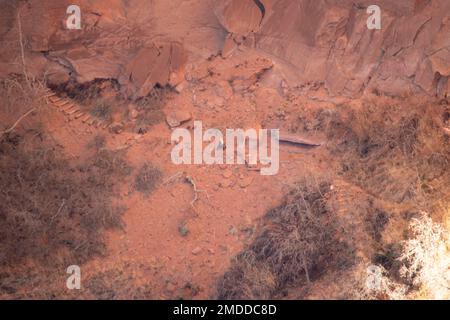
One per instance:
(328,41)
(139,43)
(142,43)
(240,17)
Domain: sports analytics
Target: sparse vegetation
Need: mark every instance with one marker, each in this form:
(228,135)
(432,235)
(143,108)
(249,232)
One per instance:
(52,211)
(147,179)
(150,109)
(297,242)
(423,262)
(394,160)
(101,110)
(183,230)
(396,153)
(116,285)
(426,257)
(97,143)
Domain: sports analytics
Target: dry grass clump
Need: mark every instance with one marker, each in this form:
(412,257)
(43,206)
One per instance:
(424,265)
(115,284)
(248,278)
(52,212)
(395,152)
(147,179)
(150,109)
(89,92)
(297,242)
(426,257)
(104,99)
(101,110)
(20,101)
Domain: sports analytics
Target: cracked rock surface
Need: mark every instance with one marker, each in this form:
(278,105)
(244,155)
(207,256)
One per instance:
(142,43)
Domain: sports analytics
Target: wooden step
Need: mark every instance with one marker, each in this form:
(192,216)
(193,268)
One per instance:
(86,118)
(67,110)
(55,99)
(67,107)
(73,110)
(79,114)
(49,93)
(62,104)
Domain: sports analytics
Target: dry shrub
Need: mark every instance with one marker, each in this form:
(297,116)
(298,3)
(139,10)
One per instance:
(52,212)
(150,109)
(376,222)
(395,152)
(101,110)
(105,99)
(17,97)
(382,287)
(115,284)
(111,162)
(247,278)
(97,143)
(147,179)
(426,257)
(297,242)
(424,265)
(89,92)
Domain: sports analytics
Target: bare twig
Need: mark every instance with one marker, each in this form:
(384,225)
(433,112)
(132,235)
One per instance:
(173,178)
(305,267)
(22,50)
(196,190)
(18,121)
(59,211)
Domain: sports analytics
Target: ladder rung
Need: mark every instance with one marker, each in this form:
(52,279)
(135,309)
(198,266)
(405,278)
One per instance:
(67,107)
(61,104)
(73,111)
(79,114)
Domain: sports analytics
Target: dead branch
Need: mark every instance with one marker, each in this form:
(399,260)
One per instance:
(297,140)
(22,49)
(173,178)
(196,190)
(18,121)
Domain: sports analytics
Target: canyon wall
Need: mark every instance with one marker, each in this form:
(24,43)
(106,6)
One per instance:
(141,43)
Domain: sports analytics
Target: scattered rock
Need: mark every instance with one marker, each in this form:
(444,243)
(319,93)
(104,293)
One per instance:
(175,78)
(224,90)
(245,182)
(176,118)
(170,287)
(197,251)
(227,174)
(116,127)
(284,87)
(215,102)
(180,87)
(133,113)
(226,183)
(239,17)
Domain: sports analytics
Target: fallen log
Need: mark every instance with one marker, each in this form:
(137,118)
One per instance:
(289,138)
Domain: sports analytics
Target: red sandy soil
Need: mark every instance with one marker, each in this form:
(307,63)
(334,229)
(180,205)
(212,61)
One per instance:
(225,214)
